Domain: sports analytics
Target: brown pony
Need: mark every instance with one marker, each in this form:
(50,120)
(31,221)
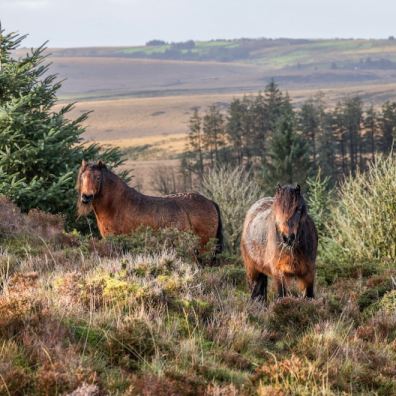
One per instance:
(120,209)
(279,239)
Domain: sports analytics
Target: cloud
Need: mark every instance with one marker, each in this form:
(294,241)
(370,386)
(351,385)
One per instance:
(27,3)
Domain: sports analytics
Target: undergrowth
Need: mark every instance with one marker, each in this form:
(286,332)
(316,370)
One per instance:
(146,315)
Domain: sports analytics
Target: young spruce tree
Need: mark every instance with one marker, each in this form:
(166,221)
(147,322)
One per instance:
(40,148)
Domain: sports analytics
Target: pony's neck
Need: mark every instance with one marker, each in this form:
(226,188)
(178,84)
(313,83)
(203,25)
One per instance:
(113,192)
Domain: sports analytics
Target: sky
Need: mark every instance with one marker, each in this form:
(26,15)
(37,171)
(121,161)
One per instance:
(77,23)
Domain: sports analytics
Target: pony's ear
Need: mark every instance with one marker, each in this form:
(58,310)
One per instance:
(101,164)
(84,164)
(298,188)
(278,188)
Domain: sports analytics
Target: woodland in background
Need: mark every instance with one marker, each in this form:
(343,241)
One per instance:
(285,144)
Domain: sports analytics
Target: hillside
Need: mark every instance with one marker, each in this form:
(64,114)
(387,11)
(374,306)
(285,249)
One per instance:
(295,64)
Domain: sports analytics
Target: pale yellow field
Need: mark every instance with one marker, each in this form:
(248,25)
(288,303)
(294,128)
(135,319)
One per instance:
(162,122)
(119,120)
(125,121)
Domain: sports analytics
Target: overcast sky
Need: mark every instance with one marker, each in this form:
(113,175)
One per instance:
(67,23)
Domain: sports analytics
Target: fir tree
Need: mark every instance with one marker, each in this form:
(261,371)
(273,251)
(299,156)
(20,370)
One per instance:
(288,156)
(196,144)
(311,124)
(40,148)
(371,126)
(326,160)
(213,134)
(388,126)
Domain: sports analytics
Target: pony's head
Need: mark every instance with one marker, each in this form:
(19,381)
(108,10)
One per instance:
(290,211)
(89,185)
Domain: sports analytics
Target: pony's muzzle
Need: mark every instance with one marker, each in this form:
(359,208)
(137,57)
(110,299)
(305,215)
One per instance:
(289,239)
(86,199)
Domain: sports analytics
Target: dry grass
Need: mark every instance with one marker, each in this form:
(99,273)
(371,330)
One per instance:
(132,316)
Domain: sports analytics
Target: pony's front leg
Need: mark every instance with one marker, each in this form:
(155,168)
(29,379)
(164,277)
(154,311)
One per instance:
(307,285)
(260,288)
(281,286)
(309,291)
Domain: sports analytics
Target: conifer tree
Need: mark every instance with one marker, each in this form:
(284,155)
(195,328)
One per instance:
(40,148)
(311,124)
(371,126)
(288,156)
(213,133)
(326,159)
(388,126)
(196,143)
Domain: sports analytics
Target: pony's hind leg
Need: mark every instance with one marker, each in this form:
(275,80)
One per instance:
(260,288)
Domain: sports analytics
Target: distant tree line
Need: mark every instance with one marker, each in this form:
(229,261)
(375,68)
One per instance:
(285,144)
(223,52)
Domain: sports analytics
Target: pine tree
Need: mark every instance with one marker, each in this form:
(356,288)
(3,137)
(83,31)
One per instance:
(196,143)
(213,134)
(234,129)
(275,105)
(311,123)
(40,149)
(388,126)
(352,117)
(371,126)
(339,132)
(288,155)
(326,159)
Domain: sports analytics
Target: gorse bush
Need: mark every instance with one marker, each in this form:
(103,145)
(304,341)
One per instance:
(362,224)
(234,190)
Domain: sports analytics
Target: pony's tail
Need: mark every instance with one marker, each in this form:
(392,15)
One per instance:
(219,233)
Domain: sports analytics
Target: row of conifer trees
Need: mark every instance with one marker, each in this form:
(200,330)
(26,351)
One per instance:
(286,144)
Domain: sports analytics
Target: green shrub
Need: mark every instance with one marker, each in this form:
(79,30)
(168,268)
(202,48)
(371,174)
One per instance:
(234,190)
(361,234)
(319,199)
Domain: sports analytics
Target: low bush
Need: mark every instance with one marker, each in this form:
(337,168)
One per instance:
(363,221)
(234,190)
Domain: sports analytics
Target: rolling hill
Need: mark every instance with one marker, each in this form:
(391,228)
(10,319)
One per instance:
(148,92)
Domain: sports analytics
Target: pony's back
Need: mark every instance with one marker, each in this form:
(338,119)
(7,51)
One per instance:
(257,217)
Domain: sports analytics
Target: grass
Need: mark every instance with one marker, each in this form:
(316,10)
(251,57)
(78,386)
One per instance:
(139,315)
(142,315)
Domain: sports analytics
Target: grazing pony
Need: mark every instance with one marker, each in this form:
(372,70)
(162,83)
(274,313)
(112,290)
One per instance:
(120,209)
(279,239)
